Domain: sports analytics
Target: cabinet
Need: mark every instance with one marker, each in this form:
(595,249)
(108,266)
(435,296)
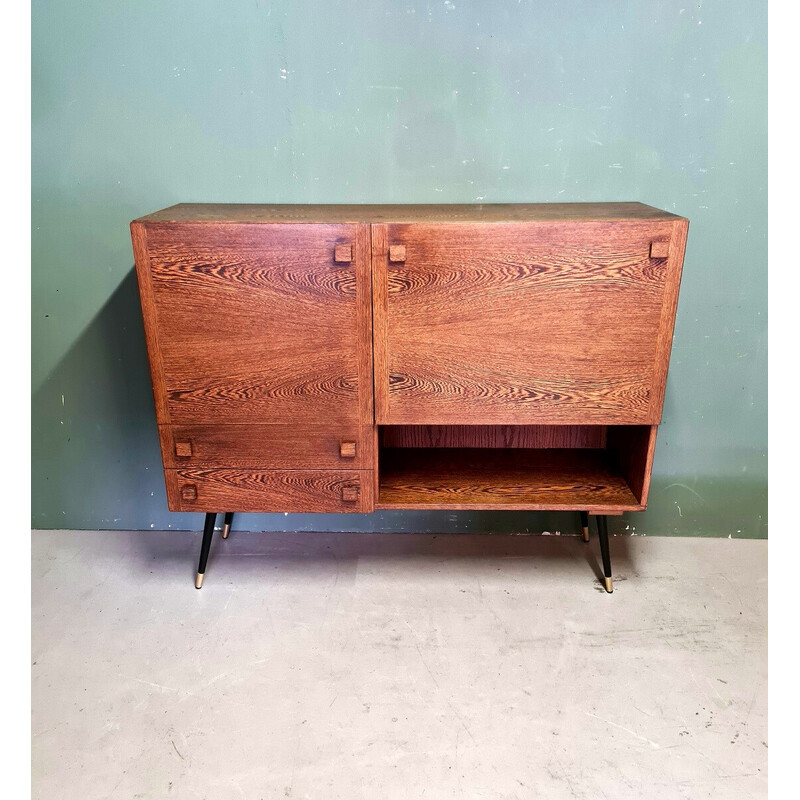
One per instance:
(345,358)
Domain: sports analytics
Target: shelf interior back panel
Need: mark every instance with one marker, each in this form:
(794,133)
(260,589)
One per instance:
(512,479)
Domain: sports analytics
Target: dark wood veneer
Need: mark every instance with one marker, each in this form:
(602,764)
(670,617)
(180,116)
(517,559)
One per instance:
(345,358)
(258,445)
(573,479)
(269,490)
(557,322)
(436,213)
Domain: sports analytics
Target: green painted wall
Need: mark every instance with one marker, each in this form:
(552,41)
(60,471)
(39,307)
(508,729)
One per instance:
(140,105)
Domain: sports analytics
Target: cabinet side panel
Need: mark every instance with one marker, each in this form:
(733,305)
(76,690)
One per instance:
(677,248)
(376,460)
(144,278)
(173,492)
(633,447)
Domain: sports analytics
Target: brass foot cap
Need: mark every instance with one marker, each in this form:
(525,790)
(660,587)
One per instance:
(198,581)
(609,585)
(585,534)
(226,529)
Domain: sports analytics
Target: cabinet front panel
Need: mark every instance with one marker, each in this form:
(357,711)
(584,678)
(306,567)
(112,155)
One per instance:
(328,491)
(262,322)
(267,446)
(523,323)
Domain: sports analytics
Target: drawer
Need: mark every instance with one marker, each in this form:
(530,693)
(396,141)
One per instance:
(197,489)
(267,446)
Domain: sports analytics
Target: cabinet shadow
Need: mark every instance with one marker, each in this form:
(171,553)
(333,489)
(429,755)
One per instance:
(309,553)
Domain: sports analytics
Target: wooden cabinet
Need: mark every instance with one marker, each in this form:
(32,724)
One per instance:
(520,354)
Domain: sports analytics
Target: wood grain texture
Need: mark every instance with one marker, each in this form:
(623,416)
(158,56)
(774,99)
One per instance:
(343,213)
(343,253)
(182,449)
(267,446)
(659,249)
(517,354)
(363,268)
(348,449)
(302,491)
(632,448)
(579,480)
(550,323)
(380,318)
(669,309)
(150,319)
(494,436)
(259,323)
(375,461)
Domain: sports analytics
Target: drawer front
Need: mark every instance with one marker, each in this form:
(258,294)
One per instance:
(254,322)
(524,323)
(267,446)
(197,489)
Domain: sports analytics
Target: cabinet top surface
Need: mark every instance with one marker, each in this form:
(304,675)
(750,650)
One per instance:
(493,212)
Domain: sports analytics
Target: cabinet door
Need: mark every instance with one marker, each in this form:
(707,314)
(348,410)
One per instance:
(258,323)
(524,323)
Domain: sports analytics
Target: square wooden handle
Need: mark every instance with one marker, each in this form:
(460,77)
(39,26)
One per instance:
(350,494)
(189,492)
(659,249)
(343,253)
(183,449)
(397,252)
(347,449)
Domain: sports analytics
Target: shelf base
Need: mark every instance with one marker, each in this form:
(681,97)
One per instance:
(512,479)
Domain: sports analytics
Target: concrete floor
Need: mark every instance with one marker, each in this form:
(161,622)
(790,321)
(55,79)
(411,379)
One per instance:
(397,666)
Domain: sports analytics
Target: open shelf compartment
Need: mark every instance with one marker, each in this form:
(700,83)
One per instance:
(598,468)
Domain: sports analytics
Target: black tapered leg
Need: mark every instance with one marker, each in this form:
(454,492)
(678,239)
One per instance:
(226,526)
(602,535)
(585,525)
(208,533)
